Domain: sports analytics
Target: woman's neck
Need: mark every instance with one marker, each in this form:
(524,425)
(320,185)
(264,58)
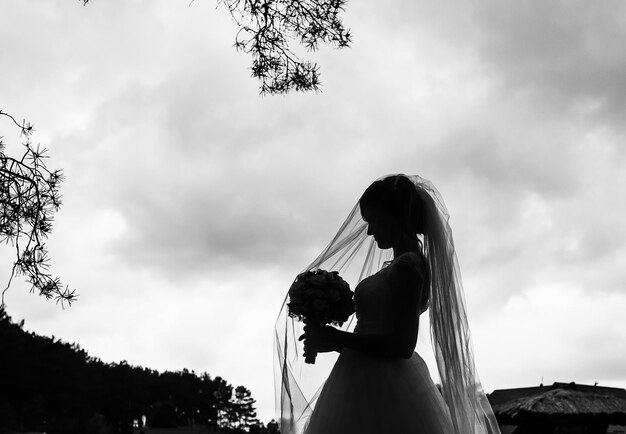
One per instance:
(404,245)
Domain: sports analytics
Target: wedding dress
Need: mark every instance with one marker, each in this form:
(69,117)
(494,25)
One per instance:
(374,394)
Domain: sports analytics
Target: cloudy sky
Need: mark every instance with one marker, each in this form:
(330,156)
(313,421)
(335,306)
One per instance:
(191,201)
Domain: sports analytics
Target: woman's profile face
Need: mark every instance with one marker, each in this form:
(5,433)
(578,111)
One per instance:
(382,227)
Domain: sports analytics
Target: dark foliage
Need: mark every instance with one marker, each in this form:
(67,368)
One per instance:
(56,387)
(267,28)
(29,197)
(240,414)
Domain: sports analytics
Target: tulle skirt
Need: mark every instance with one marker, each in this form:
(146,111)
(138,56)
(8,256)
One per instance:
(372,395)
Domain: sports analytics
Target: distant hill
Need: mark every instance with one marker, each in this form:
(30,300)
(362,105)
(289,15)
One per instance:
(51,386)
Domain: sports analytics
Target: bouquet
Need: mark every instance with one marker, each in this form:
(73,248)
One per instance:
(320,297)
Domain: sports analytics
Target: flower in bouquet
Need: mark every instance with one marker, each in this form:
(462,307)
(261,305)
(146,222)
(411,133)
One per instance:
(320,297)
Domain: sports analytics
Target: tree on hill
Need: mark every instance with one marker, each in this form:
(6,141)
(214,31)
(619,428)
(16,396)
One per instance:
(29,198)
(56,387)
(239,414)
(164,415)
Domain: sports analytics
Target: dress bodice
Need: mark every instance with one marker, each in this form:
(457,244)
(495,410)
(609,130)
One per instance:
(373,297)
(373,304)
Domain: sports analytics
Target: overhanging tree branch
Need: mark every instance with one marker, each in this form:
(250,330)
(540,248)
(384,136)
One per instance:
(268,27)
(29,197)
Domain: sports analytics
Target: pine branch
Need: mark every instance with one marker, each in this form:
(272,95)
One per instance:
(266,29)
(29,197)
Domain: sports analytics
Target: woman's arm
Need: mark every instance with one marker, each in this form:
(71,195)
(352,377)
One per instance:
(400,343)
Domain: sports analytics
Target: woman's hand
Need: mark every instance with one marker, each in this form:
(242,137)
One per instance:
(320,339)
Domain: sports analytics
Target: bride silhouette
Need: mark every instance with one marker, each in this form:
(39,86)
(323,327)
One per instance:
(396,246)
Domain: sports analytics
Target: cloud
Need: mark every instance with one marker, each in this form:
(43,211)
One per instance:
(561,333)
(192,191)
(568,54)
(189,197)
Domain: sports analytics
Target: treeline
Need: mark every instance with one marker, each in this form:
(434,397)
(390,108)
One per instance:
(50,386)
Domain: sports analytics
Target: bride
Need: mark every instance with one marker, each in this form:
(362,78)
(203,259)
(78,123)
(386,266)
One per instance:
(378,383)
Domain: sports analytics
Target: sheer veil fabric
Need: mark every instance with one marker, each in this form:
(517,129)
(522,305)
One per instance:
(355,255)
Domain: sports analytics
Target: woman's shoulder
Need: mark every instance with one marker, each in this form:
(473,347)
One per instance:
(413,263)
(412,267)
(411,259)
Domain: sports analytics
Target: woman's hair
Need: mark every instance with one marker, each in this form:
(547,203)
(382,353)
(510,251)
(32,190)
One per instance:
(396,197)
